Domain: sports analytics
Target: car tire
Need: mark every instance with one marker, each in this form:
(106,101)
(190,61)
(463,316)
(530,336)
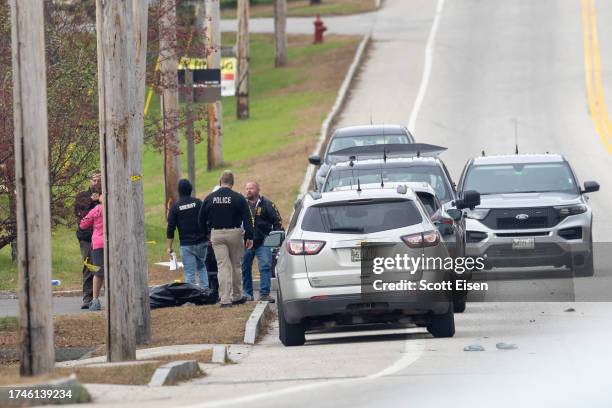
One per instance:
(459,306)
(586,269)
(289,334)
(442,325)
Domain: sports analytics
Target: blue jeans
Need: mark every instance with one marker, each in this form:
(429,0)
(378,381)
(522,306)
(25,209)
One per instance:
(194,260)
(264,261)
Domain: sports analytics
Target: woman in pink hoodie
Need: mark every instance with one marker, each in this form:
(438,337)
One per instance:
(95,219)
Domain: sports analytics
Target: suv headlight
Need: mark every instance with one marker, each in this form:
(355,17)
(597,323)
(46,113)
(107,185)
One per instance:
(477,213)
(567,210)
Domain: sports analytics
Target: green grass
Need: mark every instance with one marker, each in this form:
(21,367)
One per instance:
(300,8)
(8,323)
(275,114)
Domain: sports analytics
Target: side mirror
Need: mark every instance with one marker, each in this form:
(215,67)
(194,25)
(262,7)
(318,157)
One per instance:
(275,239)
(455,214)
(469,200)
(315,159)
(590,187)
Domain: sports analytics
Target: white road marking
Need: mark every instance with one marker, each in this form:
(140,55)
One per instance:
(429,53)
(412,352)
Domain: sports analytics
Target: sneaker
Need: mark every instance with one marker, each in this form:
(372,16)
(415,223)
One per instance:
(222,305)
(267,298)
(250,298)
(240,301)
(85,305)
(95,305)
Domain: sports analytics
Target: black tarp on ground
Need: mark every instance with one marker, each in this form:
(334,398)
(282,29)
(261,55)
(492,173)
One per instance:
(177,294)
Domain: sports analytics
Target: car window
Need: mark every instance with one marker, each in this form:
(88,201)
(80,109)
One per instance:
(521,178)
(429,202)
(343,177)
(340,143)
(359,217)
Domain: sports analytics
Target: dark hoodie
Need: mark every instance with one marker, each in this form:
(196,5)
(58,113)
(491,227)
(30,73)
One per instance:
(184,216)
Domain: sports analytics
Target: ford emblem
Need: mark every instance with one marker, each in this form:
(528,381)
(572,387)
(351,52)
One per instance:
(522,217)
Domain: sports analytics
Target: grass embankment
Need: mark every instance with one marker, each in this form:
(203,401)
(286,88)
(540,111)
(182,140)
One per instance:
(301,8)
(169,326)
(287,108)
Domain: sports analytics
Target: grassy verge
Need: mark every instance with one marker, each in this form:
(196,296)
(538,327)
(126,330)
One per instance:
(124,374)
(287,108)
(302,8)
(169,326)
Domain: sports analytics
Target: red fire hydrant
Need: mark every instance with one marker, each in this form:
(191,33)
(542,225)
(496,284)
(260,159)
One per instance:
(319,30)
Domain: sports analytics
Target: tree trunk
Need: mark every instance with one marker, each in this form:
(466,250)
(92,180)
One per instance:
(116,89)
(142,311)
(280,33)
(33,211)
(214,110)
(189,130)
(169,99)
(242,99)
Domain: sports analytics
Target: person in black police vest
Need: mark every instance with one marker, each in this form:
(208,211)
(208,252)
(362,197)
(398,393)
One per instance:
(184,215)
(227,213)
(266,218)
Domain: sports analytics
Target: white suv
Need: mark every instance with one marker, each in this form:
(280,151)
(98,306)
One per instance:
(319,267)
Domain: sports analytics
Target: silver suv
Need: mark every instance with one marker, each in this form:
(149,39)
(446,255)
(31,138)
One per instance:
(533,212)
(319,268)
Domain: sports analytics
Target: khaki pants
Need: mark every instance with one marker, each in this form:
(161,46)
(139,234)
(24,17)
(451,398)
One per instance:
(229,248)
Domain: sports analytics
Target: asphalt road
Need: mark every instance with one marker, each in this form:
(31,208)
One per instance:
(459,80)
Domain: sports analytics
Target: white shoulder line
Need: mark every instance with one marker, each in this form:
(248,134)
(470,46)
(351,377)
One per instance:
(429,53)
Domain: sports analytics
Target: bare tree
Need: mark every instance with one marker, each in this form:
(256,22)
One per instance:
(280,33)
(169,99)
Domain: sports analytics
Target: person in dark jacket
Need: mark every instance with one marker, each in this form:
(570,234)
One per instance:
(84,202)
(227,213)
(266,219)
(183,215)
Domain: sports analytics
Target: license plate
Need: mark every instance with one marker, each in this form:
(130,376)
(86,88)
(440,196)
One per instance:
(523,243)
(366,253)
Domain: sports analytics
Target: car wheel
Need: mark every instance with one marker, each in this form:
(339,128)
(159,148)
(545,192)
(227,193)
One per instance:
(586,269)
(442,325)
(289,334)
(459,306)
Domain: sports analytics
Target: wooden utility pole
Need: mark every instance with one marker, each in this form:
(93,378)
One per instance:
(189,129)
(116,89)
(280,33)
(33,207)
(242,92)
(169,99)
(142,310)
(213,61)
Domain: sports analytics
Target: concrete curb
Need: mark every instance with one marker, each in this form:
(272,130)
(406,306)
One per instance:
(219,354)
(78,393)
(172,373)
(254,324)
(335,111)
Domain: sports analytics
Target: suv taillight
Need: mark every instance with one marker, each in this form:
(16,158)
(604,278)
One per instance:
(422,239)
(304,247)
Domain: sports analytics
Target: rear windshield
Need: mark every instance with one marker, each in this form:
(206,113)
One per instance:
(521,178)
(361,217)
(342,177)
(340,143)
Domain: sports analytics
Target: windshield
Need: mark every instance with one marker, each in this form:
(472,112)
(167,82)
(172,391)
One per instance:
(361,217)
(521,178)
(343,177)
(340,143)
